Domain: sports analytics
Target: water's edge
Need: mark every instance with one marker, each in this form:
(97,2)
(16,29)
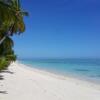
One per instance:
(62,76)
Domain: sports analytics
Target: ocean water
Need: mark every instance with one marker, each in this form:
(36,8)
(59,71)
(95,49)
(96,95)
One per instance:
(88,69)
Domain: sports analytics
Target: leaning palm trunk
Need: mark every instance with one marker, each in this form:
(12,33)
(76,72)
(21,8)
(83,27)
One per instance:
(1,41)
(8,34)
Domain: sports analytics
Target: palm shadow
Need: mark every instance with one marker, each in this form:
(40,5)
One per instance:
(3,92)
(1,77)
(7,71)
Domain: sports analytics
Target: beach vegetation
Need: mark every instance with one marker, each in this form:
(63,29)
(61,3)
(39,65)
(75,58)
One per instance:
(11,23)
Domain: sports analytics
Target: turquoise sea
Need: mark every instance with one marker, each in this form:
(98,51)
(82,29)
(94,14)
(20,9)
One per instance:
(88,69)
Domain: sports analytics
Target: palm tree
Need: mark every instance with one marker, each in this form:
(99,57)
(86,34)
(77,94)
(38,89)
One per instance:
(11,22)
(11,16)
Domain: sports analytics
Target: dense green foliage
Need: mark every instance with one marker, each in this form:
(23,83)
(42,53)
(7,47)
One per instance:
(3,64)
(11,22)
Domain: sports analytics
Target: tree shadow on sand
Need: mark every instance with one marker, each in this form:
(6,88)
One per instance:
(3,92)
(7,71)
(1,77)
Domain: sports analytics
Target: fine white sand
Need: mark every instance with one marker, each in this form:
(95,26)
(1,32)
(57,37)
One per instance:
(32,84)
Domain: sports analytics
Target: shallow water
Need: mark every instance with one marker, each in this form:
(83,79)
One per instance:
(88,69)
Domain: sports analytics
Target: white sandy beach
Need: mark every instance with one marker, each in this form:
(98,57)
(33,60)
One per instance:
(27,84)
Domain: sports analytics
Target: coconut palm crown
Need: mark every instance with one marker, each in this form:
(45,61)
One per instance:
(11,17)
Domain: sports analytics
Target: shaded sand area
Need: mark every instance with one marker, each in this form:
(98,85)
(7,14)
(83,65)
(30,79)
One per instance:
(23,83)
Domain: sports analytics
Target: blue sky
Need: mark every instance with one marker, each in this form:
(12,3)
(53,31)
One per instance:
(60,28)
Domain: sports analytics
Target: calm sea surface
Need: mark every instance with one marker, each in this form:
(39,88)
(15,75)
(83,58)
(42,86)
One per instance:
(88,69)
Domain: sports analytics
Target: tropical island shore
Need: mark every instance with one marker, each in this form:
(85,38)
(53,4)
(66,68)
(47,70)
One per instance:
(23,83)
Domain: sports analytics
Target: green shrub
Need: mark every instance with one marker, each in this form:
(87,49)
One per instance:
(4,64)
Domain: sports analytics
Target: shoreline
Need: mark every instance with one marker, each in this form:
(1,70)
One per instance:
(28,83)
(61,76)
